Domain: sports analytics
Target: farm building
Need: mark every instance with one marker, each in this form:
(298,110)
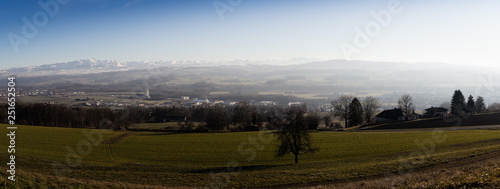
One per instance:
(390,115)
(436,112)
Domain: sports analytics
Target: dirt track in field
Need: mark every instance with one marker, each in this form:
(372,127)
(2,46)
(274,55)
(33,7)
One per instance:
(422,171)
(118,138)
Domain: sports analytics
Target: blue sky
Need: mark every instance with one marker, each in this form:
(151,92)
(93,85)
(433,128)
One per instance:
(462,32)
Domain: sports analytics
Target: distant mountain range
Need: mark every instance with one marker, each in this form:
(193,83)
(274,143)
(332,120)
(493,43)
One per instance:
(298,76)
(88,66)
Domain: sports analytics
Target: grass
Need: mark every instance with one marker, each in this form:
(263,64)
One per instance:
(50,143)
(209,159)
(478,174)
(473,120)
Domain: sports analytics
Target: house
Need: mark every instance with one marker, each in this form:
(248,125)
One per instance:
(267,103)
(174,119)
(436,112)
(290,104)
(390,115)
(413,116)
(200,101)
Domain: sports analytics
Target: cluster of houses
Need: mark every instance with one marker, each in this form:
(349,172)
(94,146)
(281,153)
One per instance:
(197,102)
(396,114)
(29,92)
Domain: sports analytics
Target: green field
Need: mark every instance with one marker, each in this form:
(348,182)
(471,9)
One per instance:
(472,120)
(238,159)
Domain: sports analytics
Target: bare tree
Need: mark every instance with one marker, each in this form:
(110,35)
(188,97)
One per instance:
(405,103)
(217,118)
(313,120)
(445,105)
(341,107)
(294,137)
(370,106)
(328,121)
(493,107)
(242,115)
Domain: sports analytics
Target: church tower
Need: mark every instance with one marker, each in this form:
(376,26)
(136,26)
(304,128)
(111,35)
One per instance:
(146,93)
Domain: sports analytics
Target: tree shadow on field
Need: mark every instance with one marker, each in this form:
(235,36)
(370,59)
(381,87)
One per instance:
(235,169)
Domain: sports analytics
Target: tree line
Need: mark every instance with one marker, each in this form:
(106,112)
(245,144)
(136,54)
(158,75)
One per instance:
(242,116)
(355,112)
(459,106)
(62,116)
(293,123)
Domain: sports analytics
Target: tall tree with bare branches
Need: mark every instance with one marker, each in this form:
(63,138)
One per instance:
(370,106)
(405,103)
(294,137)
(341,107)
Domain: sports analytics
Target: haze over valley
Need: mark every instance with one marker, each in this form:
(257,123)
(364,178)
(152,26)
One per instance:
(429,83)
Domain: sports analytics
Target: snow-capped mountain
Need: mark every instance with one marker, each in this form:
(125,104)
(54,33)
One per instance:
(87,66)
(81,66)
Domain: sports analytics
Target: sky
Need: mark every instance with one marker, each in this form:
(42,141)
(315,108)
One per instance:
(52,31)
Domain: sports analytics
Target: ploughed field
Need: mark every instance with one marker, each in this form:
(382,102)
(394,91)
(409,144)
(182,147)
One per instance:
(47,156)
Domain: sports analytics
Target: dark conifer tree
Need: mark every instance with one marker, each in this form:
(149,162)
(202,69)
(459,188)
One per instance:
(457,103)
(355,113)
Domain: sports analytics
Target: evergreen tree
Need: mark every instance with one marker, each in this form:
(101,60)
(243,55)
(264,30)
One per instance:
(480,106)
(355,113)
(457,103)
(471,105)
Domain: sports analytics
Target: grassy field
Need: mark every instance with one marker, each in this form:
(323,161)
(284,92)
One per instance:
(240,159)
(473,120)
(477,172)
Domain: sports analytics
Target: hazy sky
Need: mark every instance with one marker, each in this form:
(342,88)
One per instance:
(450,31)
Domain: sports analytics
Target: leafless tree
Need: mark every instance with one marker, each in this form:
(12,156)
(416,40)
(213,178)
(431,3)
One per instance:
(405,103)
(493,107)
(341,107)
(294,137)
(370,106)
(445,105)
